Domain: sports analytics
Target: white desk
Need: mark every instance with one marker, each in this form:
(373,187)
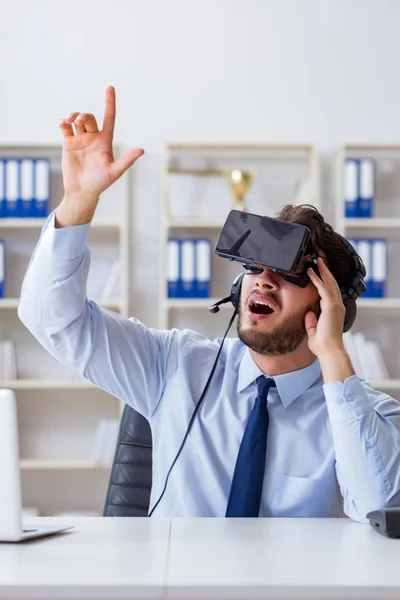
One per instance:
(101,558)
(281,558)
(203,559)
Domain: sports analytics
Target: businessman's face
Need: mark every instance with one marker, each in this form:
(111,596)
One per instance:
(272,311)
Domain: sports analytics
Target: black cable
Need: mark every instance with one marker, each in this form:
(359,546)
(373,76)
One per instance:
(196,410)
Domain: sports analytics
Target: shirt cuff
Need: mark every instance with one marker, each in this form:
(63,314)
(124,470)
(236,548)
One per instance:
(348,396)
(64,243)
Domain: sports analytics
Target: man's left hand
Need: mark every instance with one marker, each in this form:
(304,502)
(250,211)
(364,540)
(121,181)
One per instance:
(326,332)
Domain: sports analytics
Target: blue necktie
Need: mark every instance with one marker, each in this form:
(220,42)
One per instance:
(245,494)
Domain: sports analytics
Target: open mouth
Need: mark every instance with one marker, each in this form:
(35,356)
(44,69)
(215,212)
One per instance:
(258,306)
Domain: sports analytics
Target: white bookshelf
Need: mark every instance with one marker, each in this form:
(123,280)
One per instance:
(386,385)
(45,384)
(189,223)
(69,465)
(116,304)
(196,199)
(377,318)
(373,223)
(58,414)
(27,223)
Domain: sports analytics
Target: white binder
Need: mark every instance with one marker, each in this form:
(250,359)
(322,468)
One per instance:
(12,187)
(364,251)
(27,187)
(173,268)
(379,267)
(188,268)
(3,205)
(203,268)
(42,187)
(367,188)
(350,190)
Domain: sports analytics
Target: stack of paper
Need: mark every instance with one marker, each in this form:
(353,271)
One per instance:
(366,357)
(8,363)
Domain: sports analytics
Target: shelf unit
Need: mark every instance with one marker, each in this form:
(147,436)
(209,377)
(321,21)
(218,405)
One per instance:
(196,199)
(27,223)
(46,384)
(34,465)
(379,316)
(38,394)
(116,304)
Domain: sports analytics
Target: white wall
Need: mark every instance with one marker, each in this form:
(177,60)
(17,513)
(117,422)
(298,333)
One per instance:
(204,70)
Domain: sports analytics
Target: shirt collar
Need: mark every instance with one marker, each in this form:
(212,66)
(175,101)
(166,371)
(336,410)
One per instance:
(290,385)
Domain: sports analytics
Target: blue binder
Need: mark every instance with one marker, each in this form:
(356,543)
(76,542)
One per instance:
(174,268)
(27,182)
(3,205)
(202,268)
(379,253)
(188,289)
(12,180)
(367,187)
(364,248)
(350,187)
(42,188)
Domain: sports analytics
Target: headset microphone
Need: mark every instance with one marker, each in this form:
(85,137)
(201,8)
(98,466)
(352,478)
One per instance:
(215,307)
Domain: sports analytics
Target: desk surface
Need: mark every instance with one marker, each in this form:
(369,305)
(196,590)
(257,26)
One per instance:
(203,558)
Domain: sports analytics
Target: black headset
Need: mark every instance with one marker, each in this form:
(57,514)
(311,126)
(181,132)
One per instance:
(350,294)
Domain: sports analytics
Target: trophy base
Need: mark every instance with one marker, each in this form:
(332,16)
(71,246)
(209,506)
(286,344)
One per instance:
(240,205)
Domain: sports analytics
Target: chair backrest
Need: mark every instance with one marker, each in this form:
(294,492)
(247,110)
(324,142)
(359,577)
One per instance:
(129,487)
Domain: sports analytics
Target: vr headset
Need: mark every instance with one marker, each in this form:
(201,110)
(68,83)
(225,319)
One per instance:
(256,241)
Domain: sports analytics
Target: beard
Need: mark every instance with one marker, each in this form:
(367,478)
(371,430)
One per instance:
(283,339)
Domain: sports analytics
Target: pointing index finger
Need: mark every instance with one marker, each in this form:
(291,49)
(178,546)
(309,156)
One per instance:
(109,111)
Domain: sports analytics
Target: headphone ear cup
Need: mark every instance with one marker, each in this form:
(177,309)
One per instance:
(351,313)
(235,291)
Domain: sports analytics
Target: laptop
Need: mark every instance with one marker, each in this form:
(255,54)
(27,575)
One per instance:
(11,526)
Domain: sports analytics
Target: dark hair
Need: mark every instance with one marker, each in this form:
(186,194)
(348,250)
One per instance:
(324,238)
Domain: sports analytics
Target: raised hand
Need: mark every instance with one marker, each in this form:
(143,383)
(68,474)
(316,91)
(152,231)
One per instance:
(88,163)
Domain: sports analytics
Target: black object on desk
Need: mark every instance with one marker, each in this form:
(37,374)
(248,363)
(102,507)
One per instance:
(386,521)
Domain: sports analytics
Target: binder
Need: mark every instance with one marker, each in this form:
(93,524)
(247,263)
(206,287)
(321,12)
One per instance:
(351,188)
(203,268)
(364,251)
(363,365)
(188,289)
(352,350)
(2,269)
(366,198)
(379,361)
(379,268)
(42,188)
(3,205)
(173,268)
(27,166)
(12,188)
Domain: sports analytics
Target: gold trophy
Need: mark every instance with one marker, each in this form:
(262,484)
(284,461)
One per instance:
(240,182)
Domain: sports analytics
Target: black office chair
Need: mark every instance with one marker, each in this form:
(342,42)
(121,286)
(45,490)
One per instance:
(129,487)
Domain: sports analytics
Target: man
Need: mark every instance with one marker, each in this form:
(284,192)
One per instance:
(333,442)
